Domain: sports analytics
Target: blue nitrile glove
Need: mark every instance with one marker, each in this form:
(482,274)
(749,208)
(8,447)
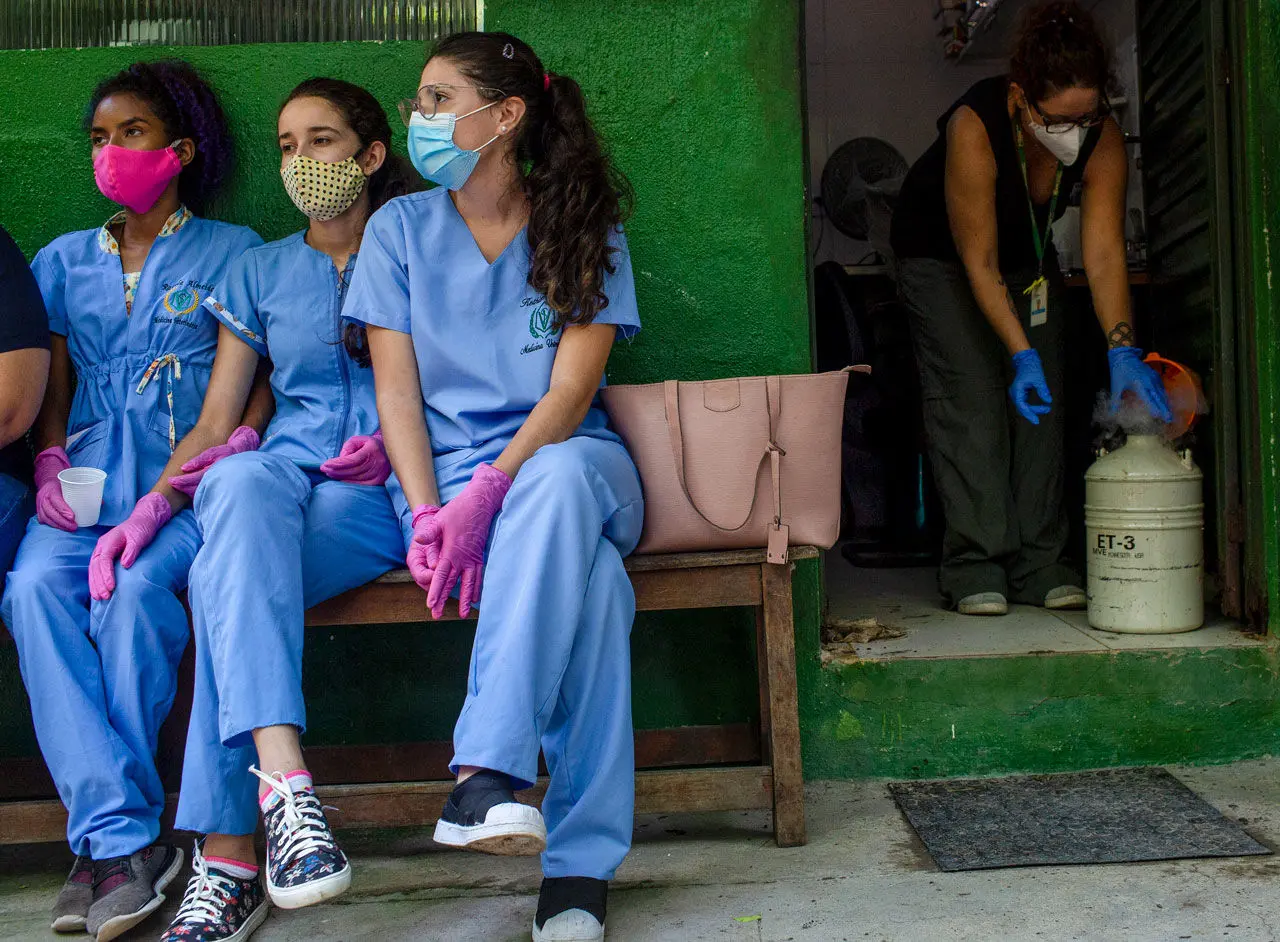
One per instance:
(1130,374)
(1029,377)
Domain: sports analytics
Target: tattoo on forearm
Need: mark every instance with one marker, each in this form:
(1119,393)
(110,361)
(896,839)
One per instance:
(1121,335)
(1008,300)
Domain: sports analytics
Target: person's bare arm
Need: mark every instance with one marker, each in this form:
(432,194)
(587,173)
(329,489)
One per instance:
(400,413)
(575,379)
(50,428)
(1102,205)
(226,405)
(24,374)
(971,209)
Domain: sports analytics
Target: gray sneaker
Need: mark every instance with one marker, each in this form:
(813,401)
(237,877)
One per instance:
(126,890)
(983,603)
(72,908)
(1066,598)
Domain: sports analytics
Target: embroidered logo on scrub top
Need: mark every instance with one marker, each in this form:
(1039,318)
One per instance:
(181,301)
(541,322)
(542,326)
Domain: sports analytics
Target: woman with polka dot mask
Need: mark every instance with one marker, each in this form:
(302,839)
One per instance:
(302,518)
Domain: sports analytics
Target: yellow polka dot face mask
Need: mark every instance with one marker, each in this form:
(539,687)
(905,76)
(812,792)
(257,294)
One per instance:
(322,190)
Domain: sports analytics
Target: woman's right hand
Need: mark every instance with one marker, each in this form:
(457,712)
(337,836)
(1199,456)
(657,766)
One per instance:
(1028,378)
(241,440)
(51,508)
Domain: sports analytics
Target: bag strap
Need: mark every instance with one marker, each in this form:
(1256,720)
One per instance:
(773,396)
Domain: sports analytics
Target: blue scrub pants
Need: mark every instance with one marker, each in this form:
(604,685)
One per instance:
(551,664)
(17,504)
(277,540)
(101,675)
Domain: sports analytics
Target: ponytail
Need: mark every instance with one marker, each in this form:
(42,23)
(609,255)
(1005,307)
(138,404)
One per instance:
(577,198)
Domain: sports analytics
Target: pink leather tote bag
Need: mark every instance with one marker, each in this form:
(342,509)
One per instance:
(734,463)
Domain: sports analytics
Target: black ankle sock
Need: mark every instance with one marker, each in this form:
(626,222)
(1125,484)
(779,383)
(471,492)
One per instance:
(471,800)
(560,894)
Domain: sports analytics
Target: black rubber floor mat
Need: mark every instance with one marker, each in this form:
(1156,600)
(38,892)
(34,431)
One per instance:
(1115,816)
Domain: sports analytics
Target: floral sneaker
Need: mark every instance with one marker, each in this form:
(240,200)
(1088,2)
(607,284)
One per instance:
(304,863)
(224,902)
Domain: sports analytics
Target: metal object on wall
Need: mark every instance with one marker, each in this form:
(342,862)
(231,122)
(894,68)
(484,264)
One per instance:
(54,24)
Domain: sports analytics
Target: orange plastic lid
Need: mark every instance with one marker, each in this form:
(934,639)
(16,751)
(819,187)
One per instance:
(1186,395)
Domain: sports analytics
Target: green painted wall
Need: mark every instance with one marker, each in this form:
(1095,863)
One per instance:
(933,718)
(701,106)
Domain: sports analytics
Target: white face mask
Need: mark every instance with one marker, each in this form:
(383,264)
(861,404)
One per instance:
(1065,145)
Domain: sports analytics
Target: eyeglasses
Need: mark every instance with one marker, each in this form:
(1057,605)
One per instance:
(430,97)
(1059,124)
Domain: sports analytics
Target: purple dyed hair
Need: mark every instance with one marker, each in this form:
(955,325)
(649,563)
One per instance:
(188,107)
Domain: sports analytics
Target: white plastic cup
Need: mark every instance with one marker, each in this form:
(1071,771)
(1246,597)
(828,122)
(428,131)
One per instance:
(82,490)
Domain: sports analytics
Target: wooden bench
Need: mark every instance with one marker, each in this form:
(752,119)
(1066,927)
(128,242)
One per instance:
(727,768)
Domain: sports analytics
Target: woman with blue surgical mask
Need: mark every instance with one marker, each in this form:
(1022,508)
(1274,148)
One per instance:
(492,303)
(99,645)
(300,519)
(987,308)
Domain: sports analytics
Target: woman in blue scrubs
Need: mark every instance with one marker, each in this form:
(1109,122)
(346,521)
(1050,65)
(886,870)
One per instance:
(493,301)
(128,323)
(303,518)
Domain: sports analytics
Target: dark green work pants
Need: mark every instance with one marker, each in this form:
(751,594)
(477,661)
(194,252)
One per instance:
(1000,477)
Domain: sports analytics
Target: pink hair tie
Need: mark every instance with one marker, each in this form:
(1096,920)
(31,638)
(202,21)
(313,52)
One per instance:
(546,82)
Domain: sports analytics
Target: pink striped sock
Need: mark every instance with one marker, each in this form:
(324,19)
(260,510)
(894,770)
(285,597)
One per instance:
(298,779)
(232,868)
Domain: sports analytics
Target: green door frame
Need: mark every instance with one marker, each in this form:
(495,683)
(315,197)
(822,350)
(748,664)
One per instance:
(1254,37)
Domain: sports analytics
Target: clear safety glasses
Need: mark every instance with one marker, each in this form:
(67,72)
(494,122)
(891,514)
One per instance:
(433,97)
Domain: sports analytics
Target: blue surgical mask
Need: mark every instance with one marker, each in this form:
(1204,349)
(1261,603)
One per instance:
(435,155)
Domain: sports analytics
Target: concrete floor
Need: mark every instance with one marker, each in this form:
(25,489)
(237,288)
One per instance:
(907,599)
(863,876)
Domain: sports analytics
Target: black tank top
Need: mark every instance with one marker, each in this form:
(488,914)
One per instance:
(920,225)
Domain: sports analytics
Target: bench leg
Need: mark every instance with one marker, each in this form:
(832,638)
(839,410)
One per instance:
(779,705)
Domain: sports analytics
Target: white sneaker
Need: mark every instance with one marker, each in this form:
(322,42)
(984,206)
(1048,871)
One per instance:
(572,925)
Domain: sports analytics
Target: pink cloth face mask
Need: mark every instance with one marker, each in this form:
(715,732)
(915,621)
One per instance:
(135,178)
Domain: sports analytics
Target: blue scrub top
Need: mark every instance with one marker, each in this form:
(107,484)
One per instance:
(284,300)
(483,337)
(141,373)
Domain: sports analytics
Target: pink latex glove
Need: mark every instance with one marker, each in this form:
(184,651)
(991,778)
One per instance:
(241,440)
(51,509)
(363,460)
(424,553)
(462,530)
(126,541)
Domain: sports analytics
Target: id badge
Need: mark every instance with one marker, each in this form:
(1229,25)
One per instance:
(1040,303)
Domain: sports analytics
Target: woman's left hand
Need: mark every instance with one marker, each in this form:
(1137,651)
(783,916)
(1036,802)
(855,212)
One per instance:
(1130,374)
(363,460)
(462,530)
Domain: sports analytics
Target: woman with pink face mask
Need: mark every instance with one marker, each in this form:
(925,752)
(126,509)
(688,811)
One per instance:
(99,644)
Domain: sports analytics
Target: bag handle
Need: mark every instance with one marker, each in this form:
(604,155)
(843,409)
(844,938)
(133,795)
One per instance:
(773,396)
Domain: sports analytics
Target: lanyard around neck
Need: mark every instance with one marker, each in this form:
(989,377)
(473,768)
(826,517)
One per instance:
(1041,243)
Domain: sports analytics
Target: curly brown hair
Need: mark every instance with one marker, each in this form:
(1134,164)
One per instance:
(577,198)
(1059,46)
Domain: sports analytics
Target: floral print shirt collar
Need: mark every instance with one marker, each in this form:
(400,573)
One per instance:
(107,242)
